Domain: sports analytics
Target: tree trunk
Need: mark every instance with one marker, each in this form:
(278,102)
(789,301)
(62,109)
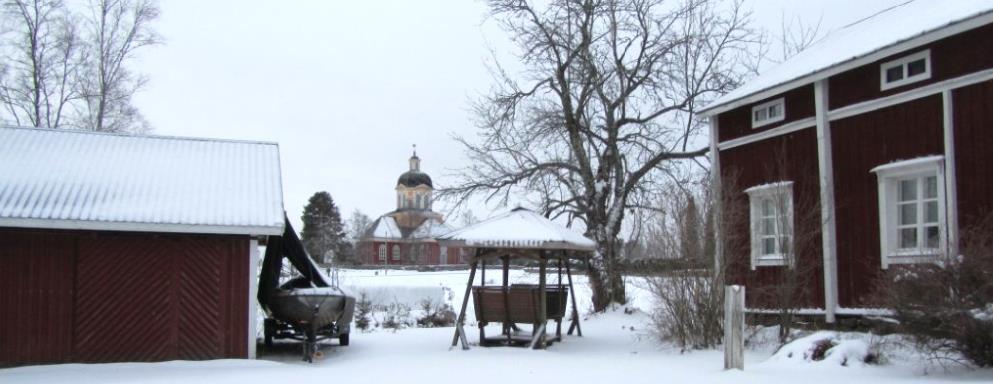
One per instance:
(606,280)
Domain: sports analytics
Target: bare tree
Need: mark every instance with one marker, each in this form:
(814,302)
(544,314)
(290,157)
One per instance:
(688,308)
(357,224)
(38,81)
(604,106)
(116,30)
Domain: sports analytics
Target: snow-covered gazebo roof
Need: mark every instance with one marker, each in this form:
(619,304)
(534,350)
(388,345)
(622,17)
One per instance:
(520,228)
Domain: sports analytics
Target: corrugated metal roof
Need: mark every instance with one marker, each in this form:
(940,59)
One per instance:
(83,180)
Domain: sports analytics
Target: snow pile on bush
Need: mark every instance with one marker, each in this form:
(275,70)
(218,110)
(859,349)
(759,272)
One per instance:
(827,348)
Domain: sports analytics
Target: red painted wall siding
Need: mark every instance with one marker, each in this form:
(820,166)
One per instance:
(861,143)
(973,120)
(369,252)
(106,296)
(755,164)
(951,57)
(799,104)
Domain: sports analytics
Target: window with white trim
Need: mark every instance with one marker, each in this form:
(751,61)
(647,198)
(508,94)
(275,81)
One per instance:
(396,252)
(442,255)
(911,210)
(382,252)
(905,70)
(768,113)
(771,214)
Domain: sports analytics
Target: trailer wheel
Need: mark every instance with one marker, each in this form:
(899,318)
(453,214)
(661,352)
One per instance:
(343,339)
(268,329)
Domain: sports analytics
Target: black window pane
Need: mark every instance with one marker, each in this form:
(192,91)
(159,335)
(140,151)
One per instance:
(916,67)
(894,74)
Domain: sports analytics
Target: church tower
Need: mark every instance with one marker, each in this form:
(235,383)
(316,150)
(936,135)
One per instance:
(414,188)
(406,236)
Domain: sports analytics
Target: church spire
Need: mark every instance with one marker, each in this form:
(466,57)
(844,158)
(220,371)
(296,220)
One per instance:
(415,162)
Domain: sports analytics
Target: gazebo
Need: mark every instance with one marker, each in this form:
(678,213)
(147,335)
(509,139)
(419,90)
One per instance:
(519,234)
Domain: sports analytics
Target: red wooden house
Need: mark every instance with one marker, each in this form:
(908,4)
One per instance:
(131,248)
(872,145)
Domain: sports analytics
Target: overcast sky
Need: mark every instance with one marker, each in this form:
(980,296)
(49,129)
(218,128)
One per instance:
(346,87)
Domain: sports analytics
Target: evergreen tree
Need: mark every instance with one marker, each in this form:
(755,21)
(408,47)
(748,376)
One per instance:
(689,231)
(323,231)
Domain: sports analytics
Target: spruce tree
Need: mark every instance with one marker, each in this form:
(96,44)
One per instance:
(323,230)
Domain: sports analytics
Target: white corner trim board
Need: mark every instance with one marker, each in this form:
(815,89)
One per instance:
(253,289)
(825,162)
(951,179)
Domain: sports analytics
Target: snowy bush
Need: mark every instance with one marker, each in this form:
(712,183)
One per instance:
(688,310)
(396,315)
(435,315)
(947,307)
(363,311)
(829,348)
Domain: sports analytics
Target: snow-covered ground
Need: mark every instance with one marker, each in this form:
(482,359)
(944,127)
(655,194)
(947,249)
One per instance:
(616,348)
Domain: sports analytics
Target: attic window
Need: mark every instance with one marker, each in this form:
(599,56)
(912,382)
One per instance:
(768,113)
(905,70)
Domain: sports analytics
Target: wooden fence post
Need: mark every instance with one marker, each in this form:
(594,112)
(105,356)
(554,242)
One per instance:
(734,327)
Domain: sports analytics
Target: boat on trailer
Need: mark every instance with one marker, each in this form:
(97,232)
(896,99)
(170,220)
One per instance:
(306,308)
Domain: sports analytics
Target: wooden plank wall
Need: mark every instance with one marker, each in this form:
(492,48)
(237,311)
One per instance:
(104,296)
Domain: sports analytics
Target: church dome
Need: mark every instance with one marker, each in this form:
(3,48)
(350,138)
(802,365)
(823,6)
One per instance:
(414,178)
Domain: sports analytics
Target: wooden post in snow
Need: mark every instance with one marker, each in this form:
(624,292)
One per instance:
(734,327)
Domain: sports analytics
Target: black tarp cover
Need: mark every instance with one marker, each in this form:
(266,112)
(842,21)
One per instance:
(290,247)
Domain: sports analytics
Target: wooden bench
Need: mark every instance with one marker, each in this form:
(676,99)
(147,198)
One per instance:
(520,303)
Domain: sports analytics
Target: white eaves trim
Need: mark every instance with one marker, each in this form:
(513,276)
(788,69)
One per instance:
(732,102)
(780,130)
(89,225)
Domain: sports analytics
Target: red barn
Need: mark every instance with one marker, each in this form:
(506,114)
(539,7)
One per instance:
(131,248)
(871,145)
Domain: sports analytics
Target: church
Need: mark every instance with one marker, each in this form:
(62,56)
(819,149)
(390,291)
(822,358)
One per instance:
(406,235)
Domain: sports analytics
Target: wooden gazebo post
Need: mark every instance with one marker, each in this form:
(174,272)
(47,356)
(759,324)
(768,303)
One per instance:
(459,329)
(538,339)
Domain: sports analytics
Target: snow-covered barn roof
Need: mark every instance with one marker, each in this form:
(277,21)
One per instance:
(520,228)
(870,39)
(66,179)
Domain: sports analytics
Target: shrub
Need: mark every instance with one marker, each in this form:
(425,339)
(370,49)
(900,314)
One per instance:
(397,316)
(689,309)
(947,307)
(435,315)
(363,311)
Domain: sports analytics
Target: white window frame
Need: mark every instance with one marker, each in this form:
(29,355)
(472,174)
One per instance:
(903,63)
(888,178)
(780,102)
(396,252)
(442,255)
(783,192)
(382,252)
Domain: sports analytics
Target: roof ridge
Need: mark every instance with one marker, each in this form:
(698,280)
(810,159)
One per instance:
(876,14)
(137,135)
